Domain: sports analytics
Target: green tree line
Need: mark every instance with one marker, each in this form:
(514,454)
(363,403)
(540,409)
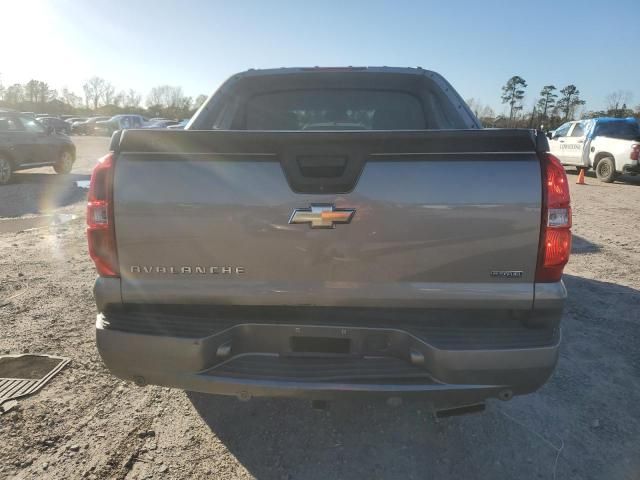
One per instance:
(551,107)
(99,97)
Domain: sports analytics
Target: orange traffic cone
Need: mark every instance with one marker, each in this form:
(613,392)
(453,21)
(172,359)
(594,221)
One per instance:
(581,177)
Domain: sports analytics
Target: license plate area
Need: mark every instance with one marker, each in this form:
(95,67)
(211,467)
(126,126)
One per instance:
(320,345)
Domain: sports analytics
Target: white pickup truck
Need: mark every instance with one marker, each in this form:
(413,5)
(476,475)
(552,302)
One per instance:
(611,146)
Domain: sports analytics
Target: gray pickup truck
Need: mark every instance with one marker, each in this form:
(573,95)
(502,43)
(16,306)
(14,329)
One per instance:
(324,233)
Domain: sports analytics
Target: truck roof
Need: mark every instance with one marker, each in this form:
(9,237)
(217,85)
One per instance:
(611,120)
(381,69)
(418,71)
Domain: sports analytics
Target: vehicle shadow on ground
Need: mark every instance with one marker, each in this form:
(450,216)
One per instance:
(34,193)
(582,424)
(625,179)
(629,179)
(582,245)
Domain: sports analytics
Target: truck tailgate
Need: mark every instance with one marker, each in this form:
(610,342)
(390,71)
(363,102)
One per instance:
(443,219)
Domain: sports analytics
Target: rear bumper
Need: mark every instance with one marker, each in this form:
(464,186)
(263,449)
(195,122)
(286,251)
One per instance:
(247,359)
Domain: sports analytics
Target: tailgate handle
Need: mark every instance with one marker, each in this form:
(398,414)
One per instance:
(322,166)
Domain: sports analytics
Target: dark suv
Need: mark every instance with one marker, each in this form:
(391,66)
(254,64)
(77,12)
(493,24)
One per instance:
(26,143)
(56,124)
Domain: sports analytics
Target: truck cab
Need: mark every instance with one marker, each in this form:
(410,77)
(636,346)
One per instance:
(610,146)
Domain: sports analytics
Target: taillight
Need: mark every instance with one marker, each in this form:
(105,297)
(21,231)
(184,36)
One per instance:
(635,152)
(100,228)
(555,230)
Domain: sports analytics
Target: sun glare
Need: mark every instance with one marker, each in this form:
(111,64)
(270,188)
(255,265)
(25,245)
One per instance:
(32,25)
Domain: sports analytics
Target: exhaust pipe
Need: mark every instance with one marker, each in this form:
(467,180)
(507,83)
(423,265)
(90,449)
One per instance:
(464,410)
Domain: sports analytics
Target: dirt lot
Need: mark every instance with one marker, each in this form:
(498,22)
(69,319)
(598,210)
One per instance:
(585,423)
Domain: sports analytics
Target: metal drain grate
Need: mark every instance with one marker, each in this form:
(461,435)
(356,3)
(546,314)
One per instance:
(22,375)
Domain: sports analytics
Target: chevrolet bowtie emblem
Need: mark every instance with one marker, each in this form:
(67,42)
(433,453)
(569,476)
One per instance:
(322,216)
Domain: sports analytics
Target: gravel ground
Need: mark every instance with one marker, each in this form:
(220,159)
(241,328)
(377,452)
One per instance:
(584,423)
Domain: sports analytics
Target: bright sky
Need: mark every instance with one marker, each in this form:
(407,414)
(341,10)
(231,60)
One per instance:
(476,44)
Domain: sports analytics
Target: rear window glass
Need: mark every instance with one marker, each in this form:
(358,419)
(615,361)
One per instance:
(31,125)
(562,130)
(623,130)
(578,130)
(9,124)
(335,110)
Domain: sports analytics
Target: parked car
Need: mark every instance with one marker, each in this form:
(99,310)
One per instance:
(180,125)
(254,256)
(72,120)
(120,122)
(57,124)
(86,127)
(27,143)
(610,146)
(159,124)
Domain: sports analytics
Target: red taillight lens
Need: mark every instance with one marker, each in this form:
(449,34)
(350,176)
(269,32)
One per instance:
(100,228)
(635,152)
(556,185)
(555,231)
